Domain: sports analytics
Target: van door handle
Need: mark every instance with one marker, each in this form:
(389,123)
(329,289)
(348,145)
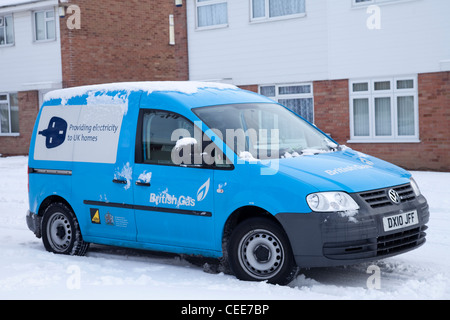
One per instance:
(142,183)
(119,181)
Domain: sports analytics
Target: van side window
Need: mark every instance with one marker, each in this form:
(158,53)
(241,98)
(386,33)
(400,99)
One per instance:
(158,130)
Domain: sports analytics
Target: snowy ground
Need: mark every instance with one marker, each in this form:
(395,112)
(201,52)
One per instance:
(27,271)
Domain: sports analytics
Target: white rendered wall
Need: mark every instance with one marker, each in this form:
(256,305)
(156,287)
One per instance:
(29,65)
(332,41)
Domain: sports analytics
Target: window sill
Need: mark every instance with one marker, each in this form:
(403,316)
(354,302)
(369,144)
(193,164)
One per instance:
(213,27)
(8,45)
(383,141)
(9,135)
(44,41)
(280,18)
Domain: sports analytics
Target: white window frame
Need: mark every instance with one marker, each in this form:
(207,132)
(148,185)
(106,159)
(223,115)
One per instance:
(268,18)
(208,3)
(393,93)
(278,96)
(3,16)
(8,103)
(54,18)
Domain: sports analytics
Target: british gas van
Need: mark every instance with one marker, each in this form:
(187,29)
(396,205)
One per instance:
(212,170)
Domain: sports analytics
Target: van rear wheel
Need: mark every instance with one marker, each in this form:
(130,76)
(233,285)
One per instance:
(60,231)
(259,250)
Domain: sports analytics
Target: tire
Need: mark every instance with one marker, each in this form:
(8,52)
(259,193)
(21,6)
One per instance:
(60,231)
(259,250)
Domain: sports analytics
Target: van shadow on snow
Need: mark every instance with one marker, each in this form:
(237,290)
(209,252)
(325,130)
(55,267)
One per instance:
(344,276)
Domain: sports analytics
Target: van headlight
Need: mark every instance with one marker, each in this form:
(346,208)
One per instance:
(331,201)
(415,187)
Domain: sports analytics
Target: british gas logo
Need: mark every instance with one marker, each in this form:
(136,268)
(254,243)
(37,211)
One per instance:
(203,191)
(165,197)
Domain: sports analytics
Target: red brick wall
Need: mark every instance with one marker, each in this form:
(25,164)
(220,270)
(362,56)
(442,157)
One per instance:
(331,107)
(252,87)
(28,110)
(124,41)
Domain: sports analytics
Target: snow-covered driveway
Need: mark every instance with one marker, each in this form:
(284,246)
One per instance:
(27,271)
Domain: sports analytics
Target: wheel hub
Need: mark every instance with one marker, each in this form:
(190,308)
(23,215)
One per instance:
(60,232)
(262,253)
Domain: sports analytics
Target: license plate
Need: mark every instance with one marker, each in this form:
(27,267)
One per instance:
(401,220)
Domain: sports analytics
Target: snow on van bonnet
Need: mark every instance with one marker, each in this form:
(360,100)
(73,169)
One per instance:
(27,271)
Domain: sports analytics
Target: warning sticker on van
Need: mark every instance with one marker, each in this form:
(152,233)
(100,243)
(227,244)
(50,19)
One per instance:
(79,133)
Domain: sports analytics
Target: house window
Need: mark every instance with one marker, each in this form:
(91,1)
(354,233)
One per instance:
(297,97)
(269,9)
(6,30)
(44,25)
(384,110)
(212,13)
(9,113)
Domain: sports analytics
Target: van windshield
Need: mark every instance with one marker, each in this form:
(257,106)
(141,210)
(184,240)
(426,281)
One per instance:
(264,131)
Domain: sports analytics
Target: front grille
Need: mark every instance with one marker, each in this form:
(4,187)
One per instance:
(401,241)
(379,198)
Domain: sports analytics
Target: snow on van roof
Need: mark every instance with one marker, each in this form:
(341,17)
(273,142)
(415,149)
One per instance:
(187,87)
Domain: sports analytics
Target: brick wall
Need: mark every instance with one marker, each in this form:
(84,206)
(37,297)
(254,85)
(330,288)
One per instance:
(28,110)
(252,87)
(331,107)
(124,41)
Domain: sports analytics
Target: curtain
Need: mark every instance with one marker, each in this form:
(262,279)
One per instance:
(39,25)
(268,91)
(2,36)
(295,89)
(14,108)
(304,107)
(213,14)
(383,124)
(259,8)
(361,87)
(4,118)
(405,115)
(9,29)
(279,8)
(361,125)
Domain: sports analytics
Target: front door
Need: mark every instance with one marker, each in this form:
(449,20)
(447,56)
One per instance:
(173,203)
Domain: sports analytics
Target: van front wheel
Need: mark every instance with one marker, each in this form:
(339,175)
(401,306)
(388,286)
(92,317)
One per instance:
(60,231)
(260,251)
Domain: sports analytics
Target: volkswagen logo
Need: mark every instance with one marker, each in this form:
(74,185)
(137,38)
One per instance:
(394,197)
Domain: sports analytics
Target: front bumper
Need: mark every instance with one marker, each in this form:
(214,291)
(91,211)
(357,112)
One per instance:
(334,239)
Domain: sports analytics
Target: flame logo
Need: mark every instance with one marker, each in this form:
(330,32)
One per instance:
(203,191)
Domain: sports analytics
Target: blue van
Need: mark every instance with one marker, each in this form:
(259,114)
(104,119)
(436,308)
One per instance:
(209,169)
